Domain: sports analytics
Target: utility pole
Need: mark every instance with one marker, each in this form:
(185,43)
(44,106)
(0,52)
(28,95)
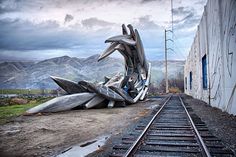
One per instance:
(166,50)
(166,77)
(172,18)
(172,21)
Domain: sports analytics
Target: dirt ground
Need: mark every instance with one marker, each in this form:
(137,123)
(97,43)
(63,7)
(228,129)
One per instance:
(221,124)
(50,134)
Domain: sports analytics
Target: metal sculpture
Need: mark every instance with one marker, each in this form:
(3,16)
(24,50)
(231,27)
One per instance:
(120,90)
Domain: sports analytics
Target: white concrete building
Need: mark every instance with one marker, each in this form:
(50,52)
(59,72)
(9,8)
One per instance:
(210,68)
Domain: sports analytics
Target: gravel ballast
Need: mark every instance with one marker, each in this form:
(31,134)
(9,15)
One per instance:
(220,124)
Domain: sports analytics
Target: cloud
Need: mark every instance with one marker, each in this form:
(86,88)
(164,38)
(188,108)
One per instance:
(181,11)
(201,2)
(147,1)
(7,6)
(93,22)
(189,22)
(68,18)
(81,27)
(26,40)
(185,18)
(145,22)
(25,35)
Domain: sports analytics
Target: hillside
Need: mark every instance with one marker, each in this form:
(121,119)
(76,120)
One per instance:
(30,75)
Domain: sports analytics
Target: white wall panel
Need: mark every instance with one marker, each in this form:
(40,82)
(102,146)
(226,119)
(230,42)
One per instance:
(215,55)
(203,48)
(215,38)
(228,16)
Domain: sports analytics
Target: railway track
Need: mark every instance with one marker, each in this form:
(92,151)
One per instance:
(173,130)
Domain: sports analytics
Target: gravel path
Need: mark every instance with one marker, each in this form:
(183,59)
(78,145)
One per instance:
(50,134)
(221,124)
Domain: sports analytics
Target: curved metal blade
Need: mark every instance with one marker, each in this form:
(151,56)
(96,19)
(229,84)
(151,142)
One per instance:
(123,93)
(94,101)
(139,47)
(120,47)
(140,51)
(102,90)
(62,103)
(124,30)
(131,29)
(117,38)
(128,42)
(108,51)
(70,87)
(128,50)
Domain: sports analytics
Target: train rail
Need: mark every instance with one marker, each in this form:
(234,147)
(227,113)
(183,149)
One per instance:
(174,130)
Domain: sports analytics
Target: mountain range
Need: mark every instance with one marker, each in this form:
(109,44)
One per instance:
(36,75)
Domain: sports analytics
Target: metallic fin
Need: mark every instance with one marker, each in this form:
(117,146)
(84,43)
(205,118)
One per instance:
(94,101)
(131,29)
(70,87)
(128,42)
(139,47)
(117,38)
(108,51)
(102,90)
(124,30)
(62,103)
(124,94)
(111,104)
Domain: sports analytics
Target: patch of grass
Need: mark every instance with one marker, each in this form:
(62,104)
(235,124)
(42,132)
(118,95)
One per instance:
(23,91)
(11,111)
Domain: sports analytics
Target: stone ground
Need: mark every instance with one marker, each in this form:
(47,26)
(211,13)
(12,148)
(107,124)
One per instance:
(50,134)
(221,124)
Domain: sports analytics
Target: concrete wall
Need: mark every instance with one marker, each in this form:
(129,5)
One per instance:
(215,38)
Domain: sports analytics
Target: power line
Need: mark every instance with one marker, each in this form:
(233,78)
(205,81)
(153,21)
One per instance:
(172,18)
(180,51)
(166,49)
(174,45)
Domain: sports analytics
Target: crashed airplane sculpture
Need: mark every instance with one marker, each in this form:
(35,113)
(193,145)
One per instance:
(120,90)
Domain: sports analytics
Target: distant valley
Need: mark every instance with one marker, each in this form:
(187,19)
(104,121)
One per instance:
(36,75)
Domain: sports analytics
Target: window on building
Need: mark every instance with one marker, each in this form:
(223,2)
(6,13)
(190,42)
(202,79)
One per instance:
(186,83)
(190,79)
(204,72)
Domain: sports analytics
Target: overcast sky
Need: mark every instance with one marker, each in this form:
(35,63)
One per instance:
(40,29)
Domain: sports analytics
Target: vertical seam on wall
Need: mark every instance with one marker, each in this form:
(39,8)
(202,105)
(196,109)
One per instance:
(222,54)
(208,56)
(200,56)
